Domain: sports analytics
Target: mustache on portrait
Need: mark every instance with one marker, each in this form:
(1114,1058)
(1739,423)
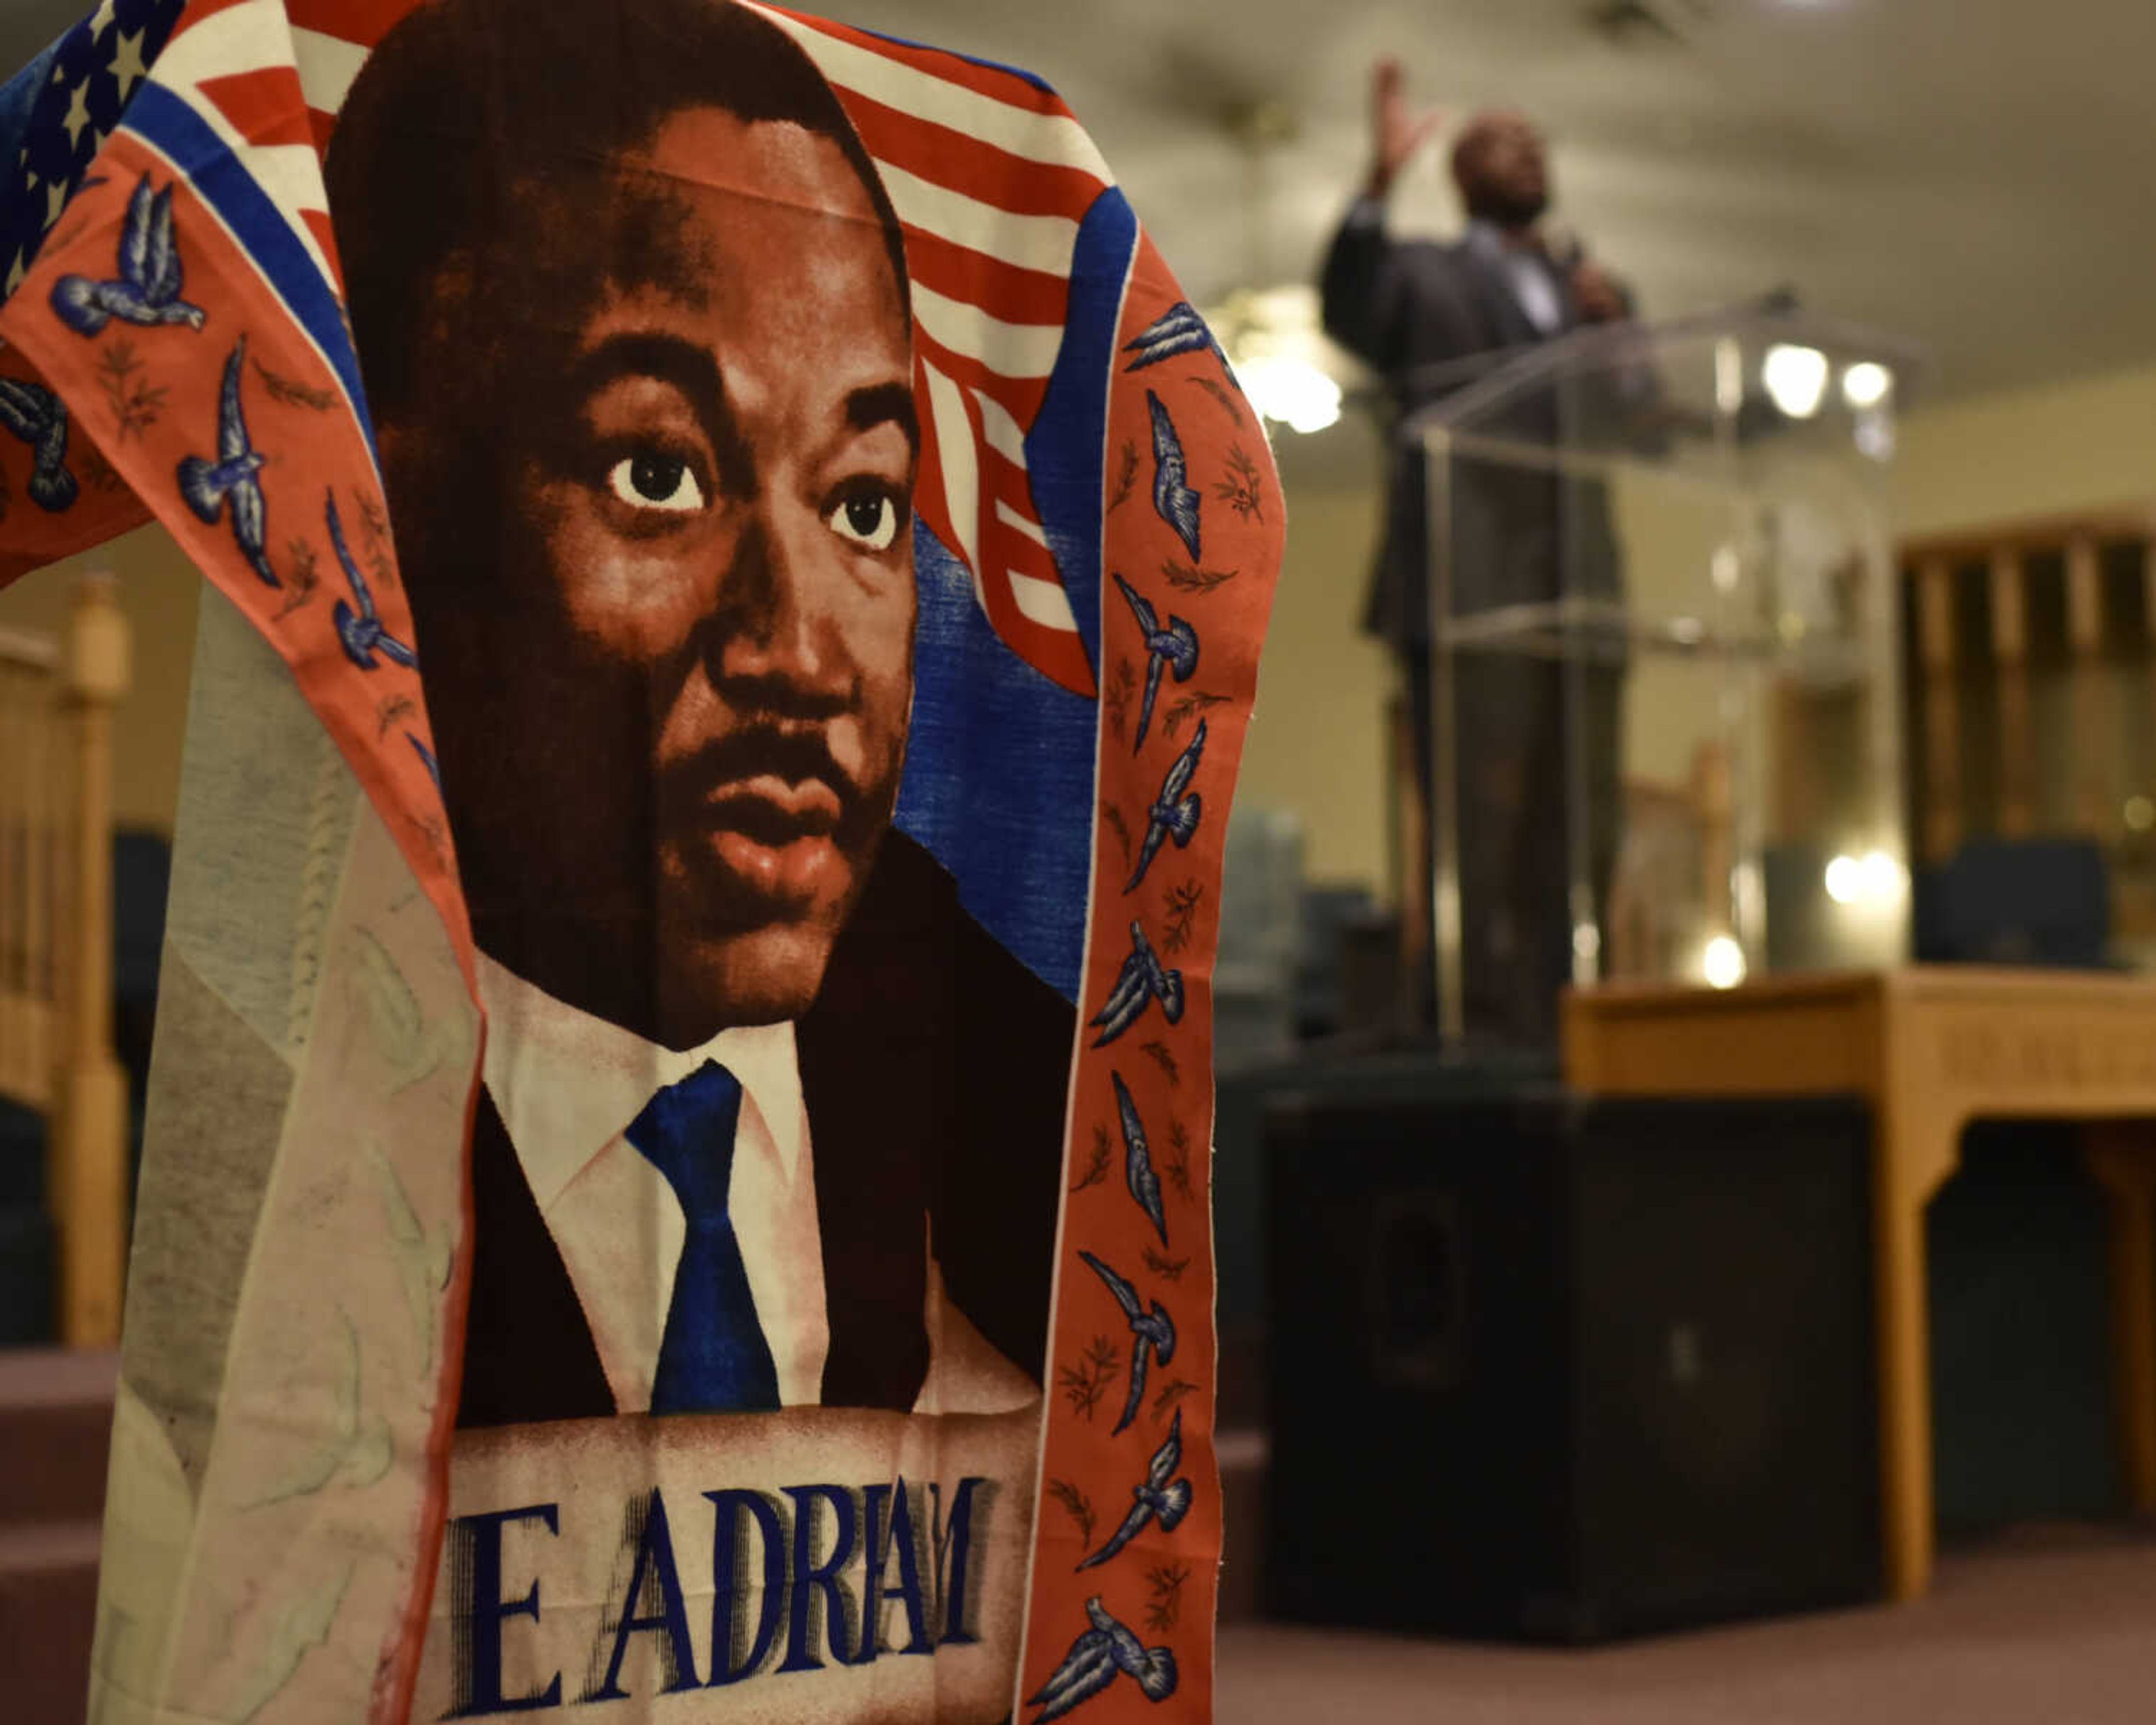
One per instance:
(787,749)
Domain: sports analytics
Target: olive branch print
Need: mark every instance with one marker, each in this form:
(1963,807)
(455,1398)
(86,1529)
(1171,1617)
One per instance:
(1127,475)
(136,404)
(1096,1168)
(1188,578)
(1180,926)
(1076,1505)
(1243,491)
(288,392)
(1164,1595)
(1083,1385)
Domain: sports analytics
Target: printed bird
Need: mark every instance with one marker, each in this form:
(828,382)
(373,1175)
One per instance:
(1155,1497)
(1176,330)
(1172,815)
(33,413)
(361,631)
(426,759)
(208,487)
(1174,648)
(1176,502)
(1094,1659)
(1137,1159)
(1143,980)
(148,290)
(1153,1331)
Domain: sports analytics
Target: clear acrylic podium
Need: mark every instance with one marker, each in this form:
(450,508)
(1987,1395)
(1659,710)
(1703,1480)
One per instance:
(1664,693)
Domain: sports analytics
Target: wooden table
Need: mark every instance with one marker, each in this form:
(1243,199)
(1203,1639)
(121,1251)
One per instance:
(1933,1048)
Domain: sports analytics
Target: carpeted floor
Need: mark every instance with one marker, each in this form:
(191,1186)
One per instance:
(2048,1627)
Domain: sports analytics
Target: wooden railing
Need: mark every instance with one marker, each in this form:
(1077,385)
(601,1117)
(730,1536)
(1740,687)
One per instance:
(1670,891)
(2070,597)
(56,1056)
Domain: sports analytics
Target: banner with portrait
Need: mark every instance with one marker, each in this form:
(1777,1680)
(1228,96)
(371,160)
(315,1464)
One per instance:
(678,1156)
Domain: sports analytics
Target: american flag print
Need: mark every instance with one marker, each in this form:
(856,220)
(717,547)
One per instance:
(59,110)
(993,178)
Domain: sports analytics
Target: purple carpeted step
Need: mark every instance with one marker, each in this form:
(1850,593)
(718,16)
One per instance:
(56,1427)
(1242,1456)
(48,1612)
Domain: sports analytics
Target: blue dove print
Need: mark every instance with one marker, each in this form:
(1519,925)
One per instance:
(360,631)
(1153,1336)
(33,413)
(1174,500)
(1174,648)
(1143,980)
(1138,1170)
(1176,330)
(1172,815)
(1156,1499)
(148,288)
(1096,1659)
(208,487)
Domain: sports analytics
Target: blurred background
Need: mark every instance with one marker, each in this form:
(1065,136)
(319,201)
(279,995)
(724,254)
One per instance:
(1955,194)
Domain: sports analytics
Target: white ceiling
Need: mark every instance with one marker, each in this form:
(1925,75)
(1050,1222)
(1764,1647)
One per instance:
(1976,174)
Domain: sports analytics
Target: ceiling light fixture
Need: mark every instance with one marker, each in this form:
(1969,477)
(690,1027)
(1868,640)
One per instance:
(1289,392)
(1866,383)
(1795,379)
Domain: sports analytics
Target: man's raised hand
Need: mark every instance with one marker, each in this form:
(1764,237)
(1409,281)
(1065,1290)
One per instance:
(1396,131)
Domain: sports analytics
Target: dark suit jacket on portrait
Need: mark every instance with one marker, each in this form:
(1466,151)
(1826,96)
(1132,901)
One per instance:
(934,1069)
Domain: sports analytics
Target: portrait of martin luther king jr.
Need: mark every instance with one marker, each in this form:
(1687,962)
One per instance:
(768,1120)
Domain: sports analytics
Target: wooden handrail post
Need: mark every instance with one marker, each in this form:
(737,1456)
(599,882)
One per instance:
(1935,654)
(2095,742)
(2009,653)
(1714,799)
(87,1147)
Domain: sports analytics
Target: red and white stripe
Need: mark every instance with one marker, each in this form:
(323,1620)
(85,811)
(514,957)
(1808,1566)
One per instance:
(990,175)
(233,63)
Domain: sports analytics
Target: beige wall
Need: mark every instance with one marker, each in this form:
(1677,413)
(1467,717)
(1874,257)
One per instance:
(2031,452)
(159,589)
(1317,746)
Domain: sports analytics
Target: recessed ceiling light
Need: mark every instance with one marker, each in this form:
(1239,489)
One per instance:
(1866,383)
(1291,391)
(1795,377)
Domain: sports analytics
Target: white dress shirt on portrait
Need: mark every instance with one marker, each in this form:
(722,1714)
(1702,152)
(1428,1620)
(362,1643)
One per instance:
(567,1085)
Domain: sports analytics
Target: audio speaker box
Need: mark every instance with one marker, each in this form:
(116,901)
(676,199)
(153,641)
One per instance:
(1563,1369)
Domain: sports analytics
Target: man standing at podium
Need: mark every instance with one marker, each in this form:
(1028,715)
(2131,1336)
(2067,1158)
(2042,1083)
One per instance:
(1431,318)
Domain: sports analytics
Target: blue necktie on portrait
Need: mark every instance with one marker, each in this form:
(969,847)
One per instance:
(713,1357)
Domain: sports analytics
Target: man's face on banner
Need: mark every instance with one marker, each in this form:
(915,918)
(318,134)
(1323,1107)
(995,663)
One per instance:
(709,492)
